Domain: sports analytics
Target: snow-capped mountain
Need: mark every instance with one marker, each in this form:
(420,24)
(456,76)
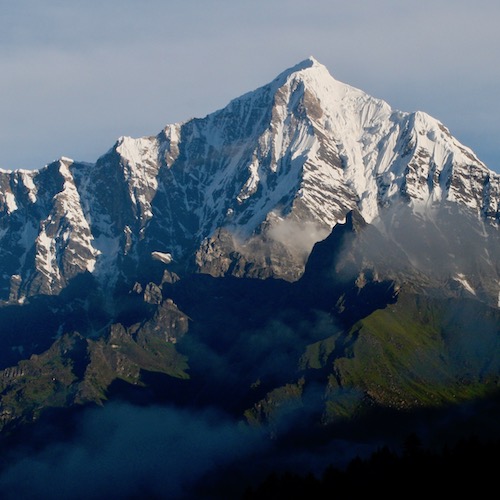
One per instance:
(246,191)
(122,274)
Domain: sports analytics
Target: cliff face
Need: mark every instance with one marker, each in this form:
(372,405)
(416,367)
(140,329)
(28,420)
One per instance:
(305,198)
(245,191)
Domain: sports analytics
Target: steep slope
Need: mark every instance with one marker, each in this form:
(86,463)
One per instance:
(363,328)
(245,191)
(134,278)
(396,335)
(76,370)
(45,237)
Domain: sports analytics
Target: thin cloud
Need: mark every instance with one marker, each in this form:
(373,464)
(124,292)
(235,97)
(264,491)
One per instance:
(124,451)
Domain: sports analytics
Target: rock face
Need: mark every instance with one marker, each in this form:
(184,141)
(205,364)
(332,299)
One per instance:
(76,370)
(366,325)
(245,191)
(46,238)
(303,256)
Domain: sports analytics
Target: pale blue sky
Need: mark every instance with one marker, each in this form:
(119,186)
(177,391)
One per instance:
(76,75)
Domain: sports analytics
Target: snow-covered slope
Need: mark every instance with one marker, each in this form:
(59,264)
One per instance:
(247,190)
(45,239)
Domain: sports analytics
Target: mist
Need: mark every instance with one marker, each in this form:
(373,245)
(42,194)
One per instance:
(444,248)
(298,237)
(126,451)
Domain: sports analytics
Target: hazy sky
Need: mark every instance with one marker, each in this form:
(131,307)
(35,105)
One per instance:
(77,74)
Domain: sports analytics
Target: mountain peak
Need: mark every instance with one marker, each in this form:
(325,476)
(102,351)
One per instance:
(232,191)
(306,65)
(310,62)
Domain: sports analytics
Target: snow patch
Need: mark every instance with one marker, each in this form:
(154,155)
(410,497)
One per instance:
(27,178)
(46,259)
(140,167)
(463,281)
(10,202)
(166,258)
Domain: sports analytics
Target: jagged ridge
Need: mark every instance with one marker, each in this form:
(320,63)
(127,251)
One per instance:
(246,190)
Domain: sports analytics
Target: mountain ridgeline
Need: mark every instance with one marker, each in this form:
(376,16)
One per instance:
(245,191)
(302,256)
